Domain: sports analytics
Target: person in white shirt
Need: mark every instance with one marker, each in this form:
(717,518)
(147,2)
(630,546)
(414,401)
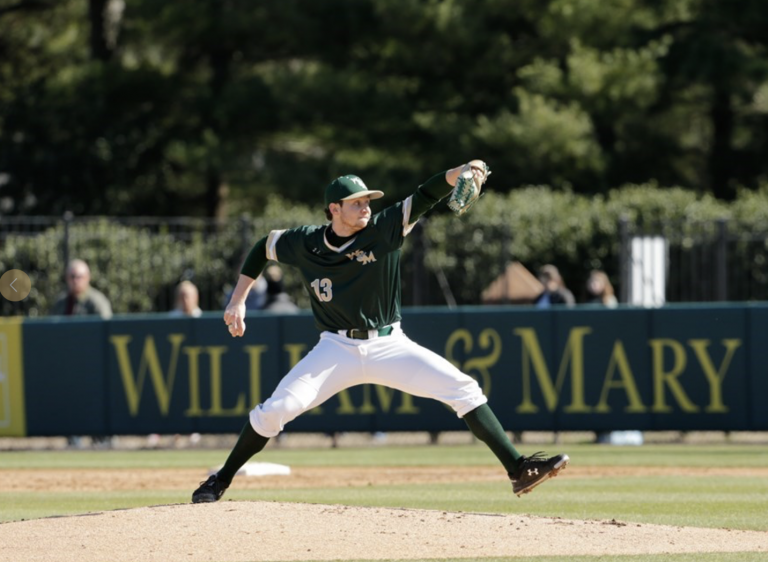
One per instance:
(187,299)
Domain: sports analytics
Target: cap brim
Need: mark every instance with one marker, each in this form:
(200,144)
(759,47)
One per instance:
(373,194)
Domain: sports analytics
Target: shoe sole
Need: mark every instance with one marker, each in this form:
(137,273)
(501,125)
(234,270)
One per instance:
(205,499)
(551,474)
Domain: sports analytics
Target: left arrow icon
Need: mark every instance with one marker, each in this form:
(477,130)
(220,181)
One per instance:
(15,285)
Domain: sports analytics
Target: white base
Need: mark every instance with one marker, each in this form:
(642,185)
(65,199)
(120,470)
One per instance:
(626,438)
(259,469)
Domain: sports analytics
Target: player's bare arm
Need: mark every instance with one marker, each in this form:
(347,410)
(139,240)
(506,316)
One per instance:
(234,315)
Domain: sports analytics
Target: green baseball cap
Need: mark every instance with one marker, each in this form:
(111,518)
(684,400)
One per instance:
(348,187)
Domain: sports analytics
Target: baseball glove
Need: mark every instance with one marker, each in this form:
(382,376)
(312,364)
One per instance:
(468,186)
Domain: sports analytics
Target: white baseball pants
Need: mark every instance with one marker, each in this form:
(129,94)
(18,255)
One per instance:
(338,362)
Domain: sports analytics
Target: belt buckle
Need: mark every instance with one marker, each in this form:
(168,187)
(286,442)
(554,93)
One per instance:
(366,334)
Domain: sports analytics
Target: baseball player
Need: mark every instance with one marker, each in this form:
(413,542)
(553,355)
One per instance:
(351,268)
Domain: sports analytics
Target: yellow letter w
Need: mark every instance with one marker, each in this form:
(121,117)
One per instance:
(163,384)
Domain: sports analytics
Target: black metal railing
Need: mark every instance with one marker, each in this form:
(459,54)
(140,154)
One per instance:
(138,261)
(693,262)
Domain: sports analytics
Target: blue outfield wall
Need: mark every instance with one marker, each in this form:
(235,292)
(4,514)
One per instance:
(674,368)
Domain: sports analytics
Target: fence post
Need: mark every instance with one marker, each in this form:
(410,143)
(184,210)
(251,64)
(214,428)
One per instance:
(722,259)
(624,258)
(245,238)
(68,217)
(506,258)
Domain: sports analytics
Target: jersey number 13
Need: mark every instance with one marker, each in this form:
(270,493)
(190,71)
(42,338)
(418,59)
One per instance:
(323,289)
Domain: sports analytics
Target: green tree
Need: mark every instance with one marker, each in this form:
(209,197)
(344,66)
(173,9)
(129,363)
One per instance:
(716,74)
(208,107)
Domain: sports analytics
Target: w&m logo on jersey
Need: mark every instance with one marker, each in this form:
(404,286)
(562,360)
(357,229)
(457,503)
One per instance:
(362,257)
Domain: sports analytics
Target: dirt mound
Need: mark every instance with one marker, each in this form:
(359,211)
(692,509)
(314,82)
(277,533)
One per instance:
(231,531)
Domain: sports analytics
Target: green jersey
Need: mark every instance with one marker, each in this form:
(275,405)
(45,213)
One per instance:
(357,285)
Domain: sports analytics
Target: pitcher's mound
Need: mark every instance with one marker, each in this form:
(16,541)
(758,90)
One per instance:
(233,531)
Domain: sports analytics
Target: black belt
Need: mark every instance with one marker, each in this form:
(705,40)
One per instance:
(363,334)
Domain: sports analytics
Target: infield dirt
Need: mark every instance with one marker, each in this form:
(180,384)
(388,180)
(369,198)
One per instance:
(233,531)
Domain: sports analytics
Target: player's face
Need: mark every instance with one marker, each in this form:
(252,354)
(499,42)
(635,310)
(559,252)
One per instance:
(354,215)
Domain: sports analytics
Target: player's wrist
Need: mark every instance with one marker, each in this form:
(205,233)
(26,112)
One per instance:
(453,174)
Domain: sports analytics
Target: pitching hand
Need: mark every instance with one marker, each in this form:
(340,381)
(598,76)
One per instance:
(234,318)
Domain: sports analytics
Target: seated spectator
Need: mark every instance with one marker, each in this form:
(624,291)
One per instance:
(81,299)
(187,300)
(555,292)
(277,299)
(600,290)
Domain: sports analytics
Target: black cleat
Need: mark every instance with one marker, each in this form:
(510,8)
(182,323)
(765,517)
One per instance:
(536,469)
(210,491)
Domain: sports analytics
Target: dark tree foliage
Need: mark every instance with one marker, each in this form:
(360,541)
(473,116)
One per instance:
(206,107)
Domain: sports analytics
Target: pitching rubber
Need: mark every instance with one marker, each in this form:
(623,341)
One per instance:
(552,473)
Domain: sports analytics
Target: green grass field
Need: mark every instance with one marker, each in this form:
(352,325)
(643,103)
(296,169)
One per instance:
(700,499)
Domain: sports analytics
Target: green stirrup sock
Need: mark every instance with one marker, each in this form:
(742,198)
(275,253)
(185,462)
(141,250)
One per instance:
(486,427)
(248,444)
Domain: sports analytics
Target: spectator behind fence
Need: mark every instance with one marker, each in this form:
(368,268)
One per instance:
(81,299)
(555,292)
(277,299)
(187,300)
(600,290)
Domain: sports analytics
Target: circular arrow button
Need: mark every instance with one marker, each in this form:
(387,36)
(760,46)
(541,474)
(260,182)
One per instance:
(15,285)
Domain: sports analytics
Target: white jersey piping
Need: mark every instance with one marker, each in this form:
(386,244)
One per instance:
(334,248)
(272,239)
(407,225)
